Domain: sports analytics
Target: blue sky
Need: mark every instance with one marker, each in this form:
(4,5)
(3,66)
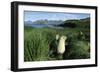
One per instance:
(37,15)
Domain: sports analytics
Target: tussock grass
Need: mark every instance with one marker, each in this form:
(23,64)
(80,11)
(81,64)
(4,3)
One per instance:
(40,44)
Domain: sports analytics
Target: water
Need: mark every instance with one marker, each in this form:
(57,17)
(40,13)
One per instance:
(38,25)
(43,26)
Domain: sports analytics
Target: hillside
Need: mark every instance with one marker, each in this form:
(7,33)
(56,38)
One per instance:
(82,23)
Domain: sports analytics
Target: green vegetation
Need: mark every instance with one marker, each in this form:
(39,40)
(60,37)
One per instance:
(40,43)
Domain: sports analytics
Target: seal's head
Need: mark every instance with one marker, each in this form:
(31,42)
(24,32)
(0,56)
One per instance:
(64,37)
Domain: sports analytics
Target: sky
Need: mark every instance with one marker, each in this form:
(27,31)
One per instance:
(39,15)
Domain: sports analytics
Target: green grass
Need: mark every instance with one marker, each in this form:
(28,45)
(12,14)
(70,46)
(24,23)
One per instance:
(40,44)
